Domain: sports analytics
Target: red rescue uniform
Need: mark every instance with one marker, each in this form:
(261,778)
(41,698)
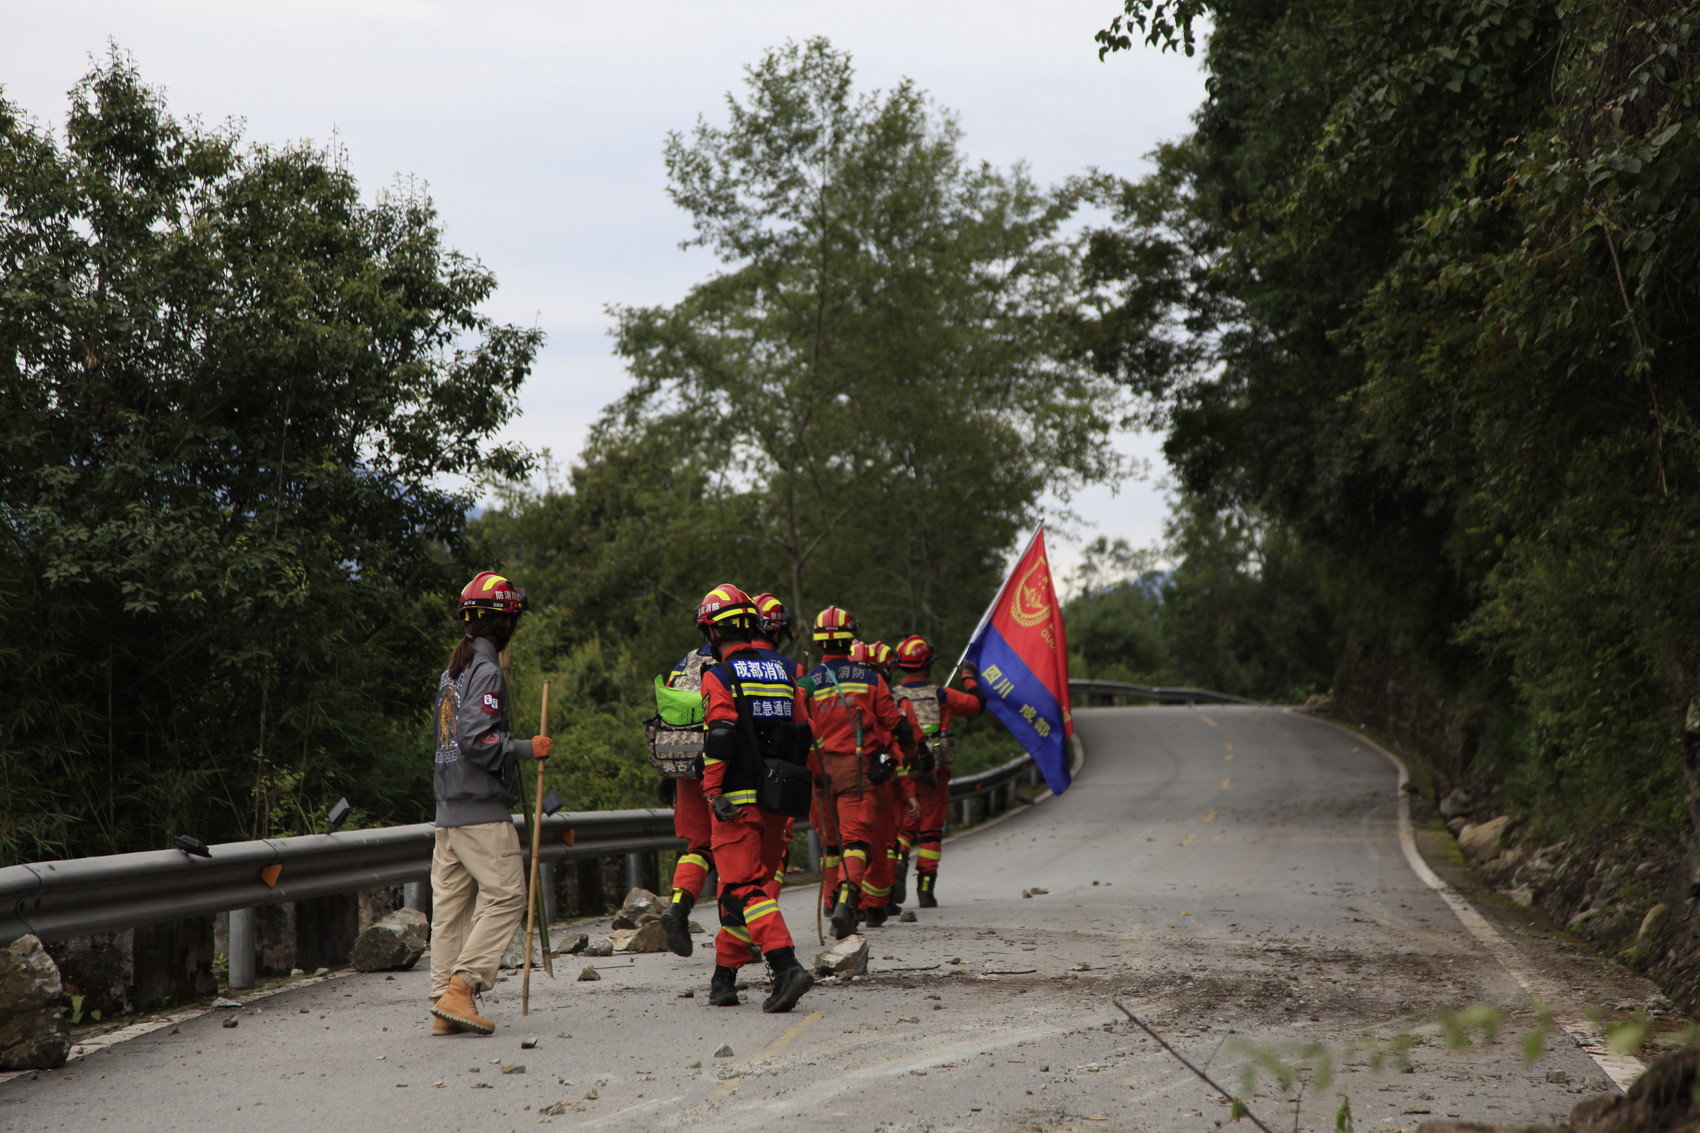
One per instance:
(800,677)
(932,788)
(747,847)
(690,811)
(854,718)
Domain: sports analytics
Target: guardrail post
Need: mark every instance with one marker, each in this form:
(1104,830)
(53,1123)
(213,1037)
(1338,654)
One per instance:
(634,872)
(813,840)
(416,895)
(968,810)
(546,880)
(240,937)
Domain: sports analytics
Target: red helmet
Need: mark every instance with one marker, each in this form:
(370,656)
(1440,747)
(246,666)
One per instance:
(835,624)
(775,619)
(490,591)
(726,607)
(914,652)
(879,655)
(859,652)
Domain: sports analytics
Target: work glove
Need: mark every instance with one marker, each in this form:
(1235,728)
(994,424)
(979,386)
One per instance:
(540,747)
(925,763)
(724,808)
(970,673)
(664,789)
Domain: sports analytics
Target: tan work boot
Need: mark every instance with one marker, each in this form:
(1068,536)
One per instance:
(456,1007)
(442,1026)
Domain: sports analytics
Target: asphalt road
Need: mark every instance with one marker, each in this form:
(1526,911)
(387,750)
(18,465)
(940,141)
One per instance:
(1233,875)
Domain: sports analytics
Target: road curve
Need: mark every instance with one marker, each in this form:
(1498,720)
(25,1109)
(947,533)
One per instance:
(1233,874)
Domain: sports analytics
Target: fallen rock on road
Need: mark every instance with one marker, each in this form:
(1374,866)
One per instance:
(33,1034)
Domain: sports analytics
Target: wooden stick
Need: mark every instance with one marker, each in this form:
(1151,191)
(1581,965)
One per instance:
(536,851)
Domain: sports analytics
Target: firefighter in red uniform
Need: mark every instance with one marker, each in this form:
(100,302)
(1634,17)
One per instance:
(690,822)
(876,882)
(855,722)
(935,707)
(902,810)
(773,630)
(756,717)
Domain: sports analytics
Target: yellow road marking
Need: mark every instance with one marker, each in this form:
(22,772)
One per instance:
(727,1085)
(1209,721)
(1224,784)
(784,1040)
(1211,817)
(1187,841)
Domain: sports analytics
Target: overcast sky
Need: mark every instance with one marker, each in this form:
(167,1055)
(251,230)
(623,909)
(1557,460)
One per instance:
(538,128)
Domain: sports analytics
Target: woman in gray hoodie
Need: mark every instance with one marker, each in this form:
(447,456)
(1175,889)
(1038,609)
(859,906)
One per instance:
(477,870)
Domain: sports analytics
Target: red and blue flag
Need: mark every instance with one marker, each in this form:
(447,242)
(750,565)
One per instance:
(1022,654)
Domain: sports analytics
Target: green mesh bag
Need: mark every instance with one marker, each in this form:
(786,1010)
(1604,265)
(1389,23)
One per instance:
(680,707)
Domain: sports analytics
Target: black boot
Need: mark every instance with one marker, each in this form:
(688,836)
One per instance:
(843,913)
(899,886)
(676,923)
(874,917)
(790,981)
(723,988)
(924,886)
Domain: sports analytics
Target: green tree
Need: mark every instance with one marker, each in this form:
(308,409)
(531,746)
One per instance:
(230,394)
(1441,260)
(881,370)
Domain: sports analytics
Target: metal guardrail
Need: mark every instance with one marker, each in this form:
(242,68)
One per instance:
(1160,695)
(55,900)
(59,899)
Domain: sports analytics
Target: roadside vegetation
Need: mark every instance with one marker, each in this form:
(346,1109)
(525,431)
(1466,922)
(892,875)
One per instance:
(1415,302)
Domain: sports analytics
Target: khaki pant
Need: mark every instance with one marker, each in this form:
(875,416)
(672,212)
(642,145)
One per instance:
(477,901)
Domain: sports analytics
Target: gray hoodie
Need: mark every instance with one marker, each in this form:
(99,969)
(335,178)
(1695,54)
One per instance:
(477,779)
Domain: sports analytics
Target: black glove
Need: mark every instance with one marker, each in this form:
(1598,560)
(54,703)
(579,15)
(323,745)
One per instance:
(724,808)
(926,763)
(881,767)
(664,791)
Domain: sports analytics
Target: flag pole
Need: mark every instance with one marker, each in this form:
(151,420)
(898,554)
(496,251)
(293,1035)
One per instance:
(993,604)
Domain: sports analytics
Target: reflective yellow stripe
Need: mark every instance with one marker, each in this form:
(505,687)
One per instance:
(740,798)
(831,691)
(829,859)
(765,688)
(693,859)
(863,854)
(759,910)
(710,761)
(927,855)
(741,933)
(874,892)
